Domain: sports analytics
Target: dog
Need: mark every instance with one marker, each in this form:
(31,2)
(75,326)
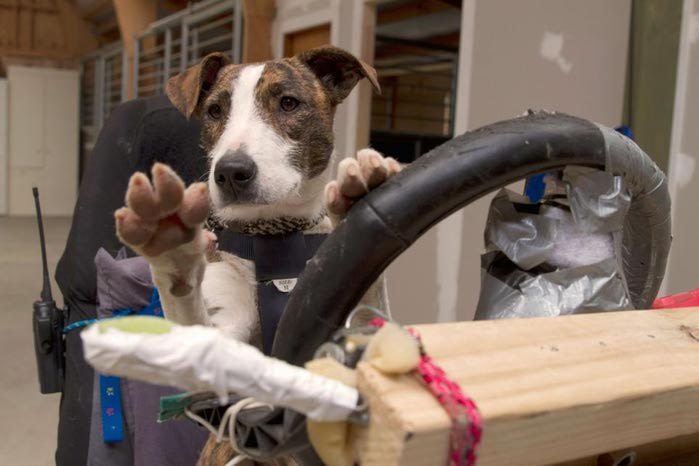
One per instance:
(268,131)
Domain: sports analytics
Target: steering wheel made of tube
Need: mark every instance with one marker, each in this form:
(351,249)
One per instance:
(391,218)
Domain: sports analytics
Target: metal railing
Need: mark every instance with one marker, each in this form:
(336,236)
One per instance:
(173,43)
(102,88)
(165,49)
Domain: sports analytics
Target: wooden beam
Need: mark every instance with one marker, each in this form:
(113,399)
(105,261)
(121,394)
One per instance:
(549,390)
(391,48)
(453,3)
(403,11)
(53,31)
(75,30)
(95,9)
(257,30)
(133,17)
(107,27)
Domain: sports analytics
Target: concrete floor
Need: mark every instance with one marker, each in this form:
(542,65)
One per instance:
(28,420)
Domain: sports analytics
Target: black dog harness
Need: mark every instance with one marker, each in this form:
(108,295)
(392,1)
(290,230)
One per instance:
(279,260)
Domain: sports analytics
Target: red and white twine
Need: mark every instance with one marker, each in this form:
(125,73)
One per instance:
(466,420)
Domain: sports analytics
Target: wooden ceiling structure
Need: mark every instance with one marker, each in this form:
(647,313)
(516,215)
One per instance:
(59,32)
(44,31)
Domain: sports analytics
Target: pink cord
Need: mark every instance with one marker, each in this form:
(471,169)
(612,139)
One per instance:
(466,420)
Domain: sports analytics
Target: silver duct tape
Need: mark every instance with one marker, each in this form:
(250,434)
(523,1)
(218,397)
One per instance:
(599,201)
(600,243)
(578,290)
(560,256)
(643,247)
(527,240)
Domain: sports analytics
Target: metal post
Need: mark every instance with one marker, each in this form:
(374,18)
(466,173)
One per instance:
(136,59)
(184,47)
(454,87)
(108,77)
(99,92)
(124,74)
(168,56)
(195,44)
(237,32)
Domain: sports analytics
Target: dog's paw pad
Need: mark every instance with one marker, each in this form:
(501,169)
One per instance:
(356,177)
(335,202)
(169,188)
(350,179)
(132,229)
(163,215)
(195,205)
(141,198)
(373,167)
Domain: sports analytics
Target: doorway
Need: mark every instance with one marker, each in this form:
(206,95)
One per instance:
(416,58)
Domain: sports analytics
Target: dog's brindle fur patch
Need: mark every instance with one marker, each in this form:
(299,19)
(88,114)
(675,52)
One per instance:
(309,125)
(220,94)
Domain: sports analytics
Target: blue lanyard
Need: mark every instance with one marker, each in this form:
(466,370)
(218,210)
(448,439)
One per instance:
(110,386)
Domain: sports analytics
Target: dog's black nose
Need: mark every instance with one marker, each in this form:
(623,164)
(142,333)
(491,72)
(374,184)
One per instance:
(234,172)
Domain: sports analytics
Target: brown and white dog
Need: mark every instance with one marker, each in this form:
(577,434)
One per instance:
(268,131)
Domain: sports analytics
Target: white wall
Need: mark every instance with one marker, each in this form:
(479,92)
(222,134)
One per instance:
(4,162)
(43,139)
(684,159)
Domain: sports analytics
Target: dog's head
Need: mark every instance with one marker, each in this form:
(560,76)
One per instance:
(268,127)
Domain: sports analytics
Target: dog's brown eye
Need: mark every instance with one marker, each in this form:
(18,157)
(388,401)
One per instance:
(214,111)
(289,103)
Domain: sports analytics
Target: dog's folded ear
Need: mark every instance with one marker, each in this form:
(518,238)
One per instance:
(187,90)
(338,70)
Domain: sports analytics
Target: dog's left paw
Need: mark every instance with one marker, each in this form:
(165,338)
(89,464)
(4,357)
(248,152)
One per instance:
(355,178)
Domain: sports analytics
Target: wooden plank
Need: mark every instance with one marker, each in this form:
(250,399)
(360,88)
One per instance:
(300,41)
(45,30)
(549,390)
(407,10)
(257,30)
(94,9)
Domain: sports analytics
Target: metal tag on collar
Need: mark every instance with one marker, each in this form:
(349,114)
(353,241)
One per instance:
(285,285)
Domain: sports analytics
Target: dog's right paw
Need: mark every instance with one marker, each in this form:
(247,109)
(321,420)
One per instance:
(162,216)
(355,178)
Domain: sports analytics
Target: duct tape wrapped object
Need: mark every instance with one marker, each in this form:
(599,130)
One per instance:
(560,256)
(197,358)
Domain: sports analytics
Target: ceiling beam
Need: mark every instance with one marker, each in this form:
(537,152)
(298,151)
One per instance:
(424,44)
(96,8)
(453,3)
(403,11)
(54,31)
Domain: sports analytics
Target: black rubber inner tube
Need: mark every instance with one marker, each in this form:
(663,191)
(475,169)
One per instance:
(391,218)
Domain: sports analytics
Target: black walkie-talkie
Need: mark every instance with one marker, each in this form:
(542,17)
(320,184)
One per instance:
(47,322)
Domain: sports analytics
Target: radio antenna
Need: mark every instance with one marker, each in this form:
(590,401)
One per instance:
(46,287)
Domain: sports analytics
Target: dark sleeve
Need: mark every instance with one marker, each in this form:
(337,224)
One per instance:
(137,134)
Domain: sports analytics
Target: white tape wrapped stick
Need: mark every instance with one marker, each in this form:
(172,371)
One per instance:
(197,358)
